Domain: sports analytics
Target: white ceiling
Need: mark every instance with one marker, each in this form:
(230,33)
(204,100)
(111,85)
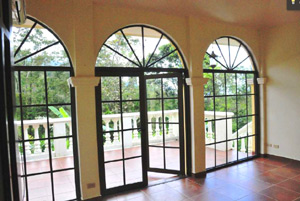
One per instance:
(257,13)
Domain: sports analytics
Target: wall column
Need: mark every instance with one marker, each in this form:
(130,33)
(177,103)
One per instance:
(87,135)
(197,124)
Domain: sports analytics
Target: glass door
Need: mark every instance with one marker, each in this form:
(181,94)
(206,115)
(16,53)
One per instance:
(120,136)
(165,129)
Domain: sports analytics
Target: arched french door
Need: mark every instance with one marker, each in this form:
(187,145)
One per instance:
(231,103)
(140,108)
(44,114)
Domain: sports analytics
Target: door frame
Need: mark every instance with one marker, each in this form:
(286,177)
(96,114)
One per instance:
(180,123)
(185,129)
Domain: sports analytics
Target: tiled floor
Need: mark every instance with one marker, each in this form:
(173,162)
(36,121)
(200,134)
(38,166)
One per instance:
(262,179)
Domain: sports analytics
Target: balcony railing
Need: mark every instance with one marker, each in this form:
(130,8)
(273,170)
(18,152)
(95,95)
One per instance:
(38,149)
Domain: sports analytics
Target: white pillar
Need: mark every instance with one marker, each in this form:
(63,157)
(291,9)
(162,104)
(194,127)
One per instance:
(87,133)
(60,147)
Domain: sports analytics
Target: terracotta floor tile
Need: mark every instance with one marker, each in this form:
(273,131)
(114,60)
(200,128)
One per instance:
(254,185)
(232,191)
(211,196)
(167,195)
(280,194)
(297,178)
(212,182)
(191,189)
(285,172)
(271,178)
(256,197)
(290,185)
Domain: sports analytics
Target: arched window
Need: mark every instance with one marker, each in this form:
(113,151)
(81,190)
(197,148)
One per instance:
(231,103)
(139,46)
(140,108)
(44,111)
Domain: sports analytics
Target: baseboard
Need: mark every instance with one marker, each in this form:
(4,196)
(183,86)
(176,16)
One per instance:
(199,175)
(95,199)
(270,156)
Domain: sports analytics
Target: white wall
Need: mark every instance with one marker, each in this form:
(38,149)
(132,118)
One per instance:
(282,61)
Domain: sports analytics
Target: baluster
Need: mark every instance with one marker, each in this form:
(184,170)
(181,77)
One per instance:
(46,141)
(27,144)
(135,132)
(243,145)
(70,139)
(108,140)
(37,144)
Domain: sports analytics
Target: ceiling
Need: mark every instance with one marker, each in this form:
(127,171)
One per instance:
(257,13)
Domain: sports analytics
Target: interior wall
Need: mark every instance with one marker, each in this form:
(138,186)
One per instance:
(282,61)
(83,26)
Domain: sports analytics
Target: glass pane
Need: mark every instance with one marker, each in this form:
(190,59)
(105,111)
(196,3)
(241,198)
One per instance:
(154,110)
(52,56)
(64,185)
(163,48)
(151,39)
(33,87)
(214,48)
(112,146)
(170,87)
(232,153)
(241,83)
(111,118)
(172,159)
(131,111)
(209,132)
(242,105)
(39,187)
(231,106)
(246,65)
(251,104)
(37,157)
(132,143)
(172,135)
(171,111)
(230,84)
(130,88)
(62,153)
(17,88)
(221,153)
(234,48)
(220,130)
(58,87)
(208,88)
(155,134)
(173,60)
(118,43)
(251,125)
(114,174)
(223,45)
(231,129)
(219,84)
(134,36)
(243,54)
(209,108)
(110,88)
(220,107)
(133,170)
(210,156)
(156,157)
(242,126)
(60,118)
(153,88)
(242,148)
(250,84)
(109,58)
(252,146)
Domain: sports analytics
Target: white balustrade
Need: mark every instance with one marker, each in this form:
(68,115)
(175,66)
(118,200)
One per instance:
(35,151)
